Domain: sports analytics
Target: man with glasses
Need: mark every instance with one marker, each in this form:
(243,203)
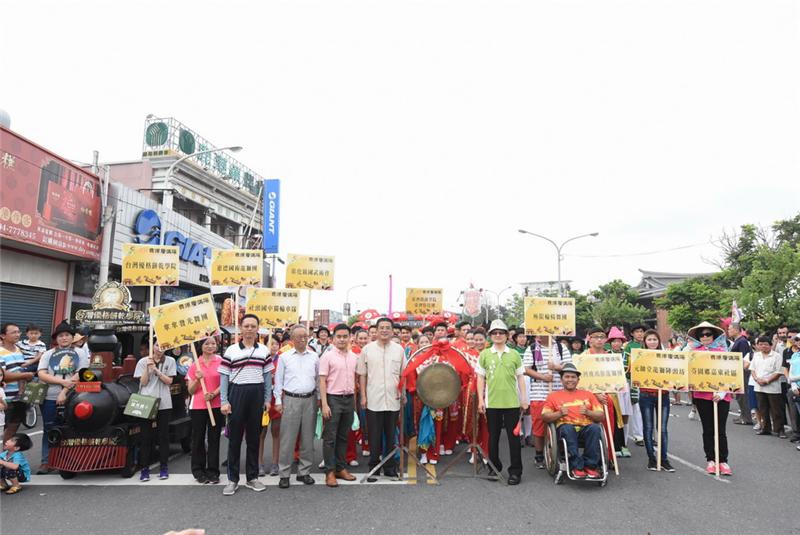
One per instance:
(379,366)
(296,400)
(501,369)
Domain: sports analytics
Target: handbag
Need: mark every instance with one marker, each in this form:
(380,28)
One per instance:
(34,393)
(356,422)
(141,406)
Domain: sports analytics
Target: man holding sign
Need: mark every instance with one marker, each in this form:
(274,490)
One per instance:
(576,414)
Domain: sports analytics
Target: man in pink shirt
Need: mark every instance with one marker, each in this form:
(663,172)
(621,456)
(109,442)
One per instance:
(337,376)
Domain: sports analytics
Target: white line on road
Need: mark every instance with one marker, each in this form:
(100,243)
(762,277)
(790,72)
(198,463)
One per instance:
(175,480)
(696,468)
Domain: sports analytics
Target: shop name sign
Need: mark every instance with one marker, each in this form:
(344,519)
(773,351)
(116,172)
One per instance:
(147,229)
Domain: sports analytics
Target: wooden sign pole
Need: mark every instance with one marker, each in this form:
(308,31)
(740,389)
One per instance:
(203,386)
(716,436)
(236,315)
(150,326)
(308,313)
(658,459)
(611,437)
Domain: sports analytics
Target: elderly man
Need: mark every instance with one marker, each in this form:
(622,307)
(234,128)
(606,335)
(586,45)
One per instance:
(576,413)
(500,368)
(379,367)
(296,400)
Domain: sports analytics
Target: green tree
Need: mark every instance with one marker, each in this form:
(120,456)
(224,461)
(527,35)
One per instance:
(615,304)
(770,293)
(513,311)
(695,300)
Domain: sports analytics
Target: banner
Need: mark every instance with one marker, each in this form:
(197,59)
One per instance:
(715,371)
(309,272)
(236,267)
(601,373)
(550,316)
(423,301)
(150,265)
(272,215)
(472,302)
(656,368)
(274,307)
(185,321)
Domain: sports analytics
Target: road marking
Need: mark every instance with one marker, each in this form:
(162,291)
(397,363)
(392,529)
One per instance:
(175,480)
(696,468)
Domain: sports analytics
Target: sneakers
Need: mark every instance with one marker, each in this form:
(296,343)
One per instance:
(665,465)
(230,489)
(274,470)
(322,465)
(262,471)
(693,414)
(579,474)
(625,452)
(592,473)
(441,450)
(256,485)
(639,441)
(539,461)
(365,453)
(164,472)
(725,470)
(652,464)
(448,452)
(145,475)
(711,468)
(433,461)
(353,463)
(423,459)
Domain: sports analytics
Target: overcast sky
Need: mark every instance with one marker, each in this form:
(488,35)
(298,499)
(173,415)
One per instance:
(415,138)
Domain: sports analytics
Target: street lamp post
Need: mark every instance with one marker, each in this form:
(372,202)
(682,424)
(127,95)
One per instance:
(497,296)
(166,202)
(560,257)
(346,307)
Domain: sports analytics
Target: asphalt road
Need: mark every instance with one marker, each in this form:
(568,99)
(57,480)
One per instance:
(757,499)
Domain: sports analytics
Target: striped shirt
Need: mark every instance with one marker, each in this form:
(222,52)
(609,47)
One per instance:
(540,389)
(246,365)
(11,362)
(30,350)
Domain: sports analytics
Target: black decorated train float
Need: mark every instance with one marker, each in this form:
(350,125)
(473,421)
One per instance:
(94,434)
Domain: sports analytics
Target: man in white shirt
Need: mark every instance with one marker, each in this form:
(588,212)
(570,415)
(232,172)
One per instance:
(296,399)
(765,370)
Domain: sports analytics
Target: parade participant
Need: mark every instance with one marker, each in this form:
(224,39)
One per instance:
(379,367)
(32,348)
(648,403)
(462,329)
(205,464)
(478,340)
(362,435)
(576,346)
(423,340)
(155,374)
(337,374)
(793,346)
(500,368)
(274,426)
(323,340)
(14,467)
(3,404)
(519,343)
(544,380)
(616,339)
(405,340)
(597,340)
(58,368)
(11,359)
(792,368)
(245,390)
(635,419)
(765,369)
(708,337)
(373,333)
(577,414)
(296,400)
(427,331)
(747,410)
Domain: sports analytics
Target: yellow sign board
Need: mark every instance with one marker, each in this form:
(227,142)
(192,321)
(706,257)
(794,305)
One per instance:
(237,267)
(655,368)
(552,316)
(602,372)
(184,321)
(274,307)
(309,272)
(150,265)
(424,301)
(711,371)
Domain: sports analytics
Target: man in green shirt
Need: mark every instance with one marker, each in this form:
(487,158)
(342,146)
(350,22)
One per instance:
(500,368)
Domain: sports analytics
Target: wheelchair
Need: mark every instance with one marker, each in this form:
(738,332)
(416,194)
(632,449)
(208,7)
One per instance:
(557,461)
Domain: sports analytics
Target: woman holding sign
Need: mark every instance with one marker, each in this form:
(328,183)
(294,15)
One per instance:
(648,401)
(703,337)
(205,464)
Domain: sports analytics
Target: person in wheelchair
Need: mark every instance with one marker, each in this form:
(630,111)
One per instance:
(576,413)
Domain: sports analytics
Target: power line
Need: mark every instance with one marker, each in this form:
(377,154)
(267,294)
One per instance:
(646,253)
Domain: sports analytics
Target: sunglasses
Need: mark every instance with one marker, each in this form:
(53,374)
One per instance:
(495,333)
(707,333)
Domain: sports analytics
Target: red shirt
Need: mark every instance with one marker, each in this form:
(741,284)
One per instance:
(573,401)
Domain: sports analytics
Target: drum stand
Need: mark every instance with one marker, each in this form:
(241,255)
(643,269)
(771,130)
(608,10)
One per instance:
(481,458)
(400,448)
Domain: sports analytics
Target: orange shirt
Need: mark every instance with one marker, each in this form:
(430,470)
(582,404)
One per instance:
(573,401)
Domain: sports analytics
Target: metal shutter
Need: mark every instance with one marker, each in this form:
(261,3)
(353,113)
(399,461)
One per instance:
(25,304)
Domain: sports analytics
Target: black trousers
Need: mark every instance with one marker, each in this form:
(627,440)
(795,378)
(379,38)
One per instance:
(247,407)
(205,463)
(335,431)
(382,427)
(499,419)
(705,408)
(770,410)
(162,430)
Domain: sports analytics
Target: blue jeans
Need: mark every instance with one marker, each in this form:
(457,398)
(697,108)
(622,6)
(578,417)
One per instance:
(648,404)
(48,422)
(591,436)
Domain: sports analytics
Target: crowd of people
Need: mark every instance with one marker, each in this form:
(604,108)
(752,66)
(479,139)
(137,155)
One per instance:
(352,379)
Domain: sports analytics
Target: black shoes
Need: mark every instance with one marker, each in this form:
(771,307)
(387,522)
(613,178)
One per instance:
(283,483)
(306,479)
(514,479)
